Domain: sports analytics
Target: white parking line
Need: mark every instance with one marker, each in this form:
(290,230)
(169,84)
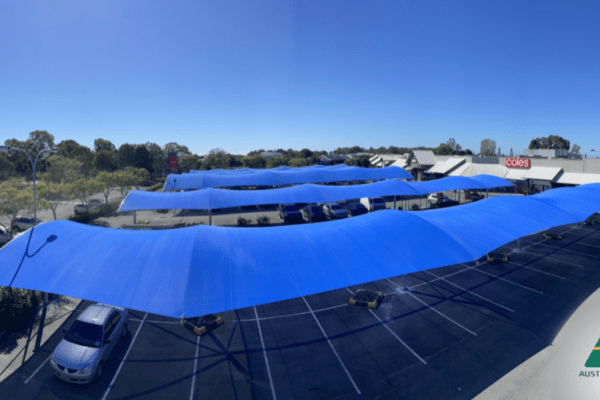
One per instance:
(262,343)
(441,277)
(195,365)
(506,280)
(474,294)
(445,316)
(331,345)
(396,336)
(537,270)
(124,358)
(591,245)
(565,249)
(555,259)
(36,371)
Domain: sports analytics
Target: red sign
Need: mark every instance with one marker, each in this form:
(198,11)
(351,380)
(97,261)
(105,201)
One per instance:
(517,163)
(173,160)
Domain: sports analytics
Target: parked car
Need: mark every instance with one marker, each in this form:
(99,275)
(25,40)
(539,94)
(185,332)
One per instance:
(433,198)
(373,204)
(87,345)
(92,204)
(475,196)
(317,213)
(355,209)
(24,223)
(147,182)
(289,213)
(335,211)
(4,237)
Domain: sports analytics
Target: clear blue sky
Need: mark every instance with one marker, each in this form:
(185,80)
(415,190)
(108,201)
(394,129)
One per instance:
(244,75)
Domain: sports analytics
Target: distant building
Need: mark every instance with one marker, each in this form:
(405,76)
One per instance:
(332,159)
(268,154)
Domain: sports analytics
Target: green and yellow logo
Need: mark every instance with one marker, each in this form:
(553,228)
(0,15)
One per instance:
(593,360)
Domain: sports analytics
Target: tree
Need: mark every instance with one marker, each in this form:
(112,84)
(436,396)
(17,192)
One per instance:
(101,145)
(306,153)
(126,155)
(109,181)
(575,149)
(511,152)
(277,161)
(156,154)
(53,193)
(142,158)
(105,160)
(20,162)
(61,168)
(188,163)
(40,140)
(83,189)
(551,142)
(72,149)
(181,150)
(130,177)
(254,161)
(218,158)
(443,149)
(6,166)
(488,147)
(297,162)
(16,196)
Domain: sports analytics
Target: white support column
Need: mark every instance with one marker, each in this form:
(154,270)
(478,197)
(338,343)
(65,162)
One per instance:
(518,244)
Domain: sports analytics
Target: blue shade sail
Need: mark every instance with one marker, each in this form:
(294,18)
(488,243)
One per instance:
(280,176)
(205,269)
(308,193)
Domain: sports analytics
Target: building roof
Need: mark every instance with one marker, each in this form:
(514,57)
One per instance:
(442,167)
(542,173)
(488,169)
(425,157)
(400,163)
(573,178)
(458,171)
(515,174)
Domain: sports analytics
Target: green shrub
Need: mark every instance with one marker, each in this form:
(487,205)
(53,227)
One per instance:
(16,306)
(263,220)
(106,210)
(156,187)
(142,223)
(243,221)
(184,225)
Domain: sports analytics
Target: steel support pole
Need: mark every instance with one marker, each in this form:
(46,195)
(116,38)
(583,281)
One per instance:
(519,244)
(486,193)
(309,213)
(394,202)
(209,216)
(134,215)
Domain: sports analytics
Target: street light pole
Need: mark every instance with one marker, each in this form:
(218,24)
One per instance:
(33,164)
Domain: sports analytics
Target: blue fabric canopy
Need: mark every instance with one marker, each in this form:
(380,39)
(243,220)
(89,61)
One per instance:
(205,269)
(308,193)
(278,177)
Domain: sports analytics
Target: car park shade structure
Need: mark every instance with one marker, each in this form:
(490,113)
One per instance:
(204,270)
(279,177)
(210,199)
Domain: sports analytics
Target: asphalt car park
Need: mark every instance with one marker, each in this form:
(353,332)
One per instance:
(445,333)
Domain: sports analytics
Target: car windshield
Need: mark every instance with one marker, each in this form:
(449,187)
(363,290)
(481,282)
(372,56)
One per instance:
(291,208)
(336,207)
(85,334)
(378,201)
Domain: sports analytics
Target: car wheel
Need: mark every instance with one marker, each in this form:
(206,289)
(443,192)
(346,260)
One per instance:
(16,229)
(99,370)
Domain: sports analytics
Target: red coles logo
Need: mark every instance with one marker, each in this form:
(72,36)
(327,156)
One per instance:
(172,160)
(516,163)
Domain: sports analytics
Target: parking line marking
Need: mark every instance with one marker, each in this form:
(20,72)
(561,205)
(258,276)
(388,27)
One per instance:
(396,336)
(565,249)
(442,277)
(123,360)
(506,280)
(331,345)
(555,259)
(262,342)
(474,294)
(195,365)
(38,368)
(445,316)
(591,245)
(537,270)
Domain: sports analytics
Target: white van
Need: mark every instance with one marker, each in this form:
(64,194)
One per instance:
(373,204)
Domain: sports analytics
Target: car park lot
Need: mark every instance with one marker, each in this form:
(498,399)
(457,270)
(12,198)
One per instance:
(454,332)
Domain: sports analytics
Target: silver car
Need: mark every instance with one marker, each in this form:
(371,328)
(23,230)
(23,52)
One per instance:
(80,356)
